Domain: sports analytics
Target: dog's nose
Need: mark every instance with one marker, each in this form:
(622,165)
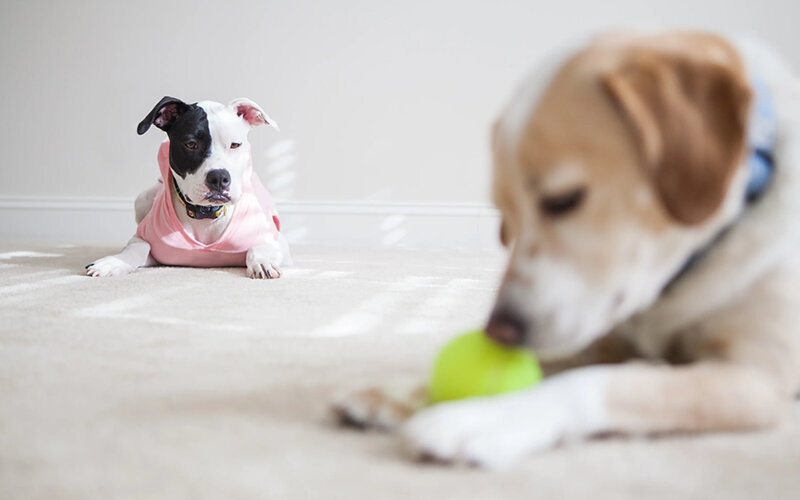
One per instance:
(506,328)
(218,180)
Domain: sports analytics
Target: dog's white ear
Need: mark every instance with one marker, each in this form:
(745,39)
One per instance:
(252,113)
(688,114)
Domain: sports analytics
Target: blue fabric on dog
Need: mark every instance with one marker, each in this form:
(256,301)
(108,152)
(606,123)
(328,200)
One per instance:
(762,138)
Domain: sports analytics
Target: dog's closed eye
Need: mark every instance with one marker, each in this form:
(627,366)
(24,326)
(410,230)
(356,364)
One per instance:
(562,203)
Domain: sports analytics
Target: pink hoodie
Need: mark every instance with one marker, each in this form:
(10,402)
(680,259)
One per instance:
(254,222)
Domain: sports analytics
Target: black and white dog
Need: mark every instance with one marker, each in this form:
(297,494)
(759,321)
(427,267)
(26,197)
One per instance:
(208,209)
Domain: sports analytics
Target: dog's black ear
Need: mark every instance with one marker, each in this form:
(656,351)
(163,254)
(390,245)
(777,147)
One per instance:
(163,115)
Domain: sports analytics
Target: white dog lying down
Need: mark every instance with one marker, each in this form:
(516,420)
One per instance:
(650,193)
(209,209)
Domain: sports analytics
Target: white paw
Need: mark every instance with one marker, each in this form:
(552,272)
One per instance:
(262,262)
(488,432)
(109,266)
(263,271)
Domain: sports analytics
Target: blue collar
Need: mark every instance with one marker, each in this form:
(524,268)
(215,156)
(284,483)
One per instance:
(762,136)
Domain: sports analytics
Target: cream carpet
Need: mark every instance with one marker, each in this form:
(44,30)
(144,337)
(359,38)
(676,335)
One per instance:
(189,383)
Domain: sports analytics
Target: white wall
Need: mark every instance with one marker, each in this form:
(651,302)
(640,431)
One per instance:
(379,101)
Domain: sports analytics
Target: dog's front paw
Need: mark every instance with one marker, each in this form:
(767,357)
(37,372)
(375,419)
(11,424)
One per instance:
(262,262)
(379,408)
(263,271)
(109,266)
(487,432)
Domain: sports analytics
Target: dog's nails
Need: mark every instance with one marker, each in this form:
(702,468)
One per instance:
(89,265)
(428,457)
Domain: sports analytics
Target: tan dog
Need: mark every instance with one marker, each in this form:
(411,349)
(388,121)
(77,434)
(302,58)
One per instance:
(621,175)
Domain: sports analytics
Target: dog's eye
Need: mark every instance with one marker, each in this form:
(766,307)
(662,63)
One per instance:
(561,204)
(235,145)
(190,145)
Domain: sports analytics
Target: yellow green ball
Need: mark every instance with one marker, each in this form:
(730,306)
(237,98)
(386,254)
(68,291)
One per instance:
(474,365)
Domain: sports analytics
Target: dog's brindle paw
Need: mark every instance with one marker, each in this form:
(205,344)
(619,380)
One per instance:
(109,266)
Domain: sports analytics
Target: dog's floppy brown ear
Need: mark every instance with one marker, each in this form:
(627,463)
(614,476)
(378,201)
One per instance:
(688,115)
(505,238)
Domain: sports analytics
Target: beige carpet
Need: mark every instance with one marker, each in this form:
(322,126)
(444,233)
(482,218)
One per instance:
(188,383)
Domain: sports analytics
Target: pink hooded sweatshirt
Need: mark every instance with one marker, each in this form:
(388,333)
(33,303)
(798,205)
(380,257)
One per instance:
(254,222)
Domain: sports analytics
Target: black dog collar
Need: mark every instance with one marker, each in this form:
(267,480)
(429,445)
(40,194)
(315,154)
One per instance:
(198,211)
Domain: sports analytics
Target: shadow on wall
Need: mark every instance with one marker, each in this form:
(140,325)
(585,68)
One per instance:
(280,176)
(393,230)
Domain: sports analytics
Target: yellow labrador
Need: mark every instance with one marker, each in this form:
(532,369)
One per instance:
(650,191)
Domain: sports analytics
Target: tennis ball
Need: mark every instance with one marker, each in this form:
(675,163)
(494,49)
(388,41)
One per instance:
(474,365)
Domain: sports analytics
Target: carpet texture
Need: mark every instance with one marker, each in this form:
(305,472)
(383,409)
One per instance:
(191,383)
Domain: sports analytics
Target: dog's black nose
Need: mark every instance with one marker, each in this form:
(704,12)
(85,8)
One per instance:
(218,179)
(506,328)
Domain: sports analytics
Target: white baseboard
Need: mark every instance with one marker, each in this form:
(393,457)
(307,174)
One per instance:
(417,225)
